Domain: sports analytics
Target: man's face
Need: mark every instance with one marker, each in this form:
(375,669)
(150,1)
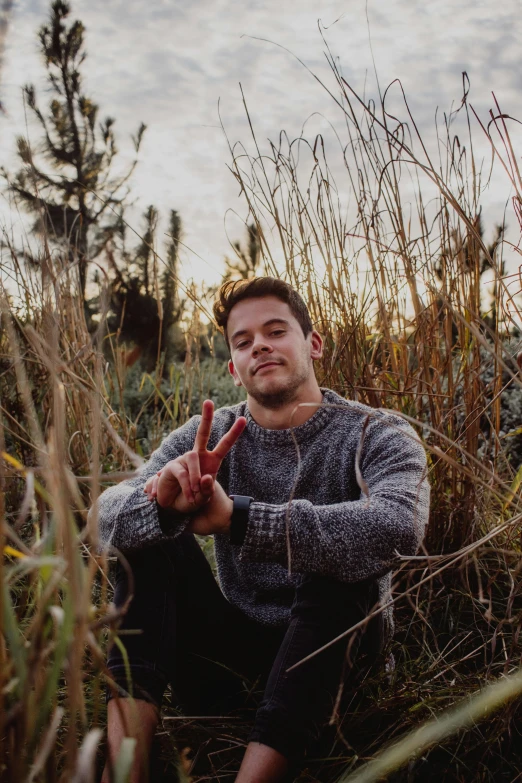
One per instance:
(270,355)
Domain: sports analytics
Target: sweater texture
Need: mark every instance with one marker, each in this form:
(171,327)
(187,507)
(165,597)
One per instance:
(351,497)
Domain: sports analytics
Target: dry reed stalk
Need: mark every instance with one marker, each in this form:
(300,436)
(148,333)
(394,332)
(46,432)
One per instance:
(427,362)
(56,583)
(49,589)
(399,300)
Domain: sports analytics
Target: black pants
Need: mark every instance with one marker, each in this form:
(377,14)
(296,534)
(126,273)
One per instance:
(212,653)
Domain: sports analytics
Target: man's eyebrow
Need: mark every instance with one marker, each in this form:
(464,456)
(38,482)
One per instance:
(267,323)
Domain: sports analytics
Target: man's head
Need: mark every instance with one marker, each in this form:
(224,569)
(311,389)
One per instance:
(270,335)
(236,291)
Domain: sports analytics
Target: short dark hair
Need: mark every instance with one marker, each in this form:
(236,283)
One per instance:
(234,291)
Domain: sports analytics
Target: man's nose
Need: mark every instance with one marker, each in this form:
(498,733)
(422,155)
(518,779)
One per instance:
(260,346)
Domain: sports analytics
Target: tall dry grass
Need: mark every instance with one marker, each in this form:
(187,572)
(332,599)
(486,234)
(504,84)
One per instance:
(65,434)
(422,315)
(400,293)
(399,297)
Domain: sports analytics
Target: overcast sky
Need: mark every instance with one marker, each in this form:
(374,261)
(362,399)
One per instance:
(167,62)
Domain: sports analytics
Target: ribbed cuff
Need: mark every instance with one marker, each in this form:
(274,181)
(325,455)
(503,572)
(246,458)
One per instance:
(171,522)
(265,539)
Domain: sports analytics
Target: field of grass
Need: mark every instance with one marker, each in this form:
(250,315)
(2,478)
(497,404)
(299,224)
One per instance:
(399,293)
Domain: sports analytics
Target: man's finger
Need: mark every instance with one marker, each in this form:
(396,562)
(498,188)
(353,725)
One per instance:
(153,489)
(169,485)
(205,426)
(206,490)
(192,463)
(150,487)
(228,440)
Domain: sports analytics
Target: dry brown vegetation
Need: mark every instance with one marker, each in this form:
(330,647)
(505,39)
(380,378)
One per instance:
(409,325)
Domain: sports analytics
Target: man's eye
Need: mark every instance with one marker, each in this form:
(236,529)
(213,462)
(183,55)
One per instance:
(278,331)
(241,344)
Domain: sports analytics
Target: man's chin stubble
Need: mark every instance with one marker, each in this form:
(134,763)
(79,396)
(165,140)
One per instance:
(278,398)
(274,400)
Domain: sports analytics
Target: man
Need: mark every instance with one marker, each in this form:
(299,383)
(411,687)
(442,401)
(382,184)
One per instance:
(309,497)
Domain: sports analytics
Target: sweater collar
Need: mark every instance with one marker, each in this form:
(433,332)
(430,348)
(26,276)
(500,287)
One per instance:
(303,431)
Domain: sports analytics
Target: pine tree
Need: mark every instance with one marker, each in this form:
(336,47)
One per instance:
(172,304)
(139,285)
(66,181)
(246,263)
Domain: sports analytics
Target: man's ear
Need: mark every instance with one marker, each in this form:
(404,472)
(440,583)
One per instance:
(233,372)
(316,345)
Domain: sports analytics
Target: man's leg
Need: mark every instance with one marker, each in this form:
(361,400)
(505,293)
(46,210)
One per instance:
(297,704)
(130,718)
(178,609)
(262,764)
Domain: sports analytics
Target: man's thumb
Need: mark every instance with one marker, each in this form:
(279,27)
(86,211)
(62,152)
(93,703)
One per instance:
(207,485)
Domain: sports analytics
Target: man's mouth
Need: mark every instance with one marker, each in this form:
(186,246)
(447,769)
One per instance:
(266,364)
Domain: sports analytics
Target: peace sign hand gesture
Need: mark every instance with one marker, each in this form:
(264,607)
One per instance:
(187,482)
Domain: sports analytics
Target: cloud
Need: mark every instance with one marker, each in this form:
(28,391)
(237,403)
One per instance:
(168,64)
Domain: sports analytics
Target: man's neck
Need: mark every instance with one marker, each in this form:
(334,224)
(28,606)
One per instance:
(282,418)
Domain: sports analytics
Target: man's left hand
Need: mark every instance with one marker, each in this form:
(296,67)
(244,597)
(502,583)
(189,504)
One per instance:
(214,516)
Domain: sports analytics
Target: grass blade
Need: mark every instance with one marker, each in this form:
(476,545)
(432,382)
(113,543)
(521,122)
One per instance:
(462,716)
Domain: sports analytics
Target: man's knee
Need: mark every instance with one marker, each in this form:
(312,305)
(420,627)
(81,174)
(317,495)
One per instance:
(326,597)
(330,607)
(136,681)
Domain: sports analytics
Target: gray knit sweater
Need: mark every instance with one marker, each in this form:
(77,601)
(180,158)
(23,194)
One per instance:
(341,524)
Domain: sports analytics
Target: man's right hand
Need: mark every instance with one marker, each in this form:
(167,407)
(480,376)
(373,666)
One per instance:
(187,482)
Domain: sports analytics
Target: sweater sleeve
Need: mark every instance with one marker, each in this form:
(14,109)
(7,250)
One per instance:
(126,518)
(358,539)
